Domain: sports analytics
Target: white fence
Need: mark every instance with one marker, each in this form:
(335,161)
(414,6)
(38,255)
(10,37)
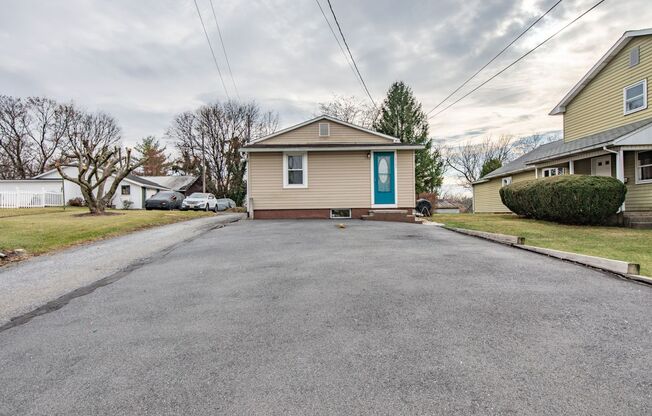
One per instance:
(23,199)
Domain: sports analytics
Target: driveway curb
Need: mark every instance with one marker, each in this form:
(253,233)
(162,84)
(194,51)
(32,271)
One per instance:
(624,269)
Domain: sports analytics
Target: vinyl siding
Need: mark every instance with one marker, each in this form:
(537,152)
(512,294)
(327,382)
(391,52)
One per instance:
(599,106)
(335,180)
(639,196)
(309,134)
(486,196)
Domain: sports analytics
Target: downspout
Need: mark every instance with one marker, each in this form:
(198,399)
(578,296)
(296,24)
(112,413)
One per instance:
(620,168)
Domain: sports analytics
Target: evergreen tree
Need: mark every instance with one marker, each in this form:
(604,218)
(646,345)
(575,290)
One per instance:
(490,165)
(401,116)
(156,161)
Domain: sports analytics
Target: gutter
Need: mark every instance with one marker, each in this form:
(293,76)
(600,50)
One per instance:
(330,149)
(569,153)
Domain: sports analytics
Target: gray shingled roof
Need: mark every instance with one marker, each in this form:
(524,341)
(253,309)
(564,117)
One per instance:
(176,183)
(588,142)
(520,163)
(560,148)
(140,180)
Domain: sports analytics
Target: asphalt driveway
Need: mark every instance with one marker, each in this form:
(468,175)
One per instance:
(272,317)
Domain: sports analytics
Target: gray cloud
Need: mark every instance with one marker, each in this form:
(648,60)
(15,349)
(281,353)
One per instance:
(144,61)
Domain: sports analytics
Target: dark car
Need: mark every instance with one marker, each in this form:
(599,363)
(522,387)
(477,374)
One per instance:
(165,200)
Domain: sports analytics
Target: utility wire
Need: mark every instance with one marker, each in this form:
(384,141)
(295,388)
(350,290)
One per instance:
(517,60)
(495,57)
(346,57)
(212,51)
(226,57)
(351,55)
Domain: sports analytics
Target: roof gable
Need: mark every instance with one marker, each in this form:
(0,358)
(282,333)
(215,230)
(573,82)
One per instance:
(340,132)
(599,66)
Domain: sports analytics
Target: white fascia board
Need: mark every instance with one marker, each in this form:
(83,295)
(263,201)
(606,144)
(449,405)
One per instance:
(330,149)
(329,118)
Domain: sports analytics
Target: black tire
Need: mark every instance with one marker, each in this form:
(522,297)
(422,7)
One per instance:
(424,207)
(206,209)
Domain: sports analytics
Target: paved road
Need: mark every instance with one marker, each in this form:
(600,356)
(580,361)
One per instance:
(298,318)
(28,285)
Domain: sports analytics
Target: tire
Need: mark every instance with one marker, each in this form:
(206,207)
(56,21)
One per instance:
(216,209)
(206,209)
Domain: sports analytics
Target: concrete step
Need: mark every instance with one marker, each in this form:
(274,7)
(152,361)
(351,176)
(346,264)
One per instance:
(388,211)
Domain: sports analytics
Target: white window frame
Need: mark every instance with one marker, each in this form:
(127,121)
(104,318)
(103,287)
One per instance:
(638,168)
(304,168)
(507,180)
(333,217)
(556,170)
(641,82)
(328,129)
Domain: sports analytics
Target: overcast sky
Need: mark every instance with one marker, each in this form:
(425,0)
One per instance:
(145,61)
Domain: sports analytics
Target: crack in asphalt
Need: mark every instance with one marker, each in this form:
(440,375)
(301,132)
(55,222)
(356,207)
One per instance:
(64,299)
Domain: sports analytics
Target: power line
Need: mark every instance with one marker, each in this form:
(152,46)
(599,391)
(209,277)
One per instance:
(495,57)
(226,57)
(517,60)
(212,51)
(346,57)
(351,55)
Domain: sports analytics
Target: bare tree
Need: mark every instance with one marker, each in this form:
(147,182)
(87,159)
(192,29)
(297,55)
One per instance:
(94,148)
(46,125)
(14,144)
(214,134)
(467,159)
(350,109)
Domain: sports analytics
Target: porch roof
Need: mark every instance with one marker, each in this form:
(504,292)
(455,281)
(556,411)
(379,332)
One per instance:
(593,141)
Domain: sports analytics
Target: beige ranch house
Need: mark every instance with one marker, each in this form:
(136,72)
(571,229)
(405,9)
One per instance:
(327,168)
(607,132)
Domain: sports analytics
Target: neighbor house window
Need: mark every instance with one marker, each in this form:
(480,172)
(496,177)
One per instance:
(635,97)
(644,167)
(507,181)
(552,172)
(295,170)
(341,213)
(324,130)
(125,189)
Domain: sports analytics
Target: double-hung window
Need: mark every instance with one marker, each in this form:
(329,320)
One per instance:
(635,97)
(551,172)
(644,167)
(295,170)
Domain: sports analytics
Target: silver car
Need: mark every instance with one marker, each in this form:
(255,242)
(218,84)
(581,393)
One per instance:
(225,203)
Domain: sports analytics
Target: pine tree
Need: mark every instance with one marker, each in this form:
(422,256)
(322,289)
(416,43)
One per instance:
(156,161)
(490,165)
(401,116)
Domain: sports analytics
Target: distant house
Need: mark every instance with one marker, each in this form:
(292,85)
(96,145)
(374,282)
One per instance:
(607,131)
(132,188)
(327,168)
(446,207)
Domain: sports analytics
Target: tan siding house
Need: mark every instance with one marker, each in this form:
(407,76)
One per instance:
(326,168)
(607,132)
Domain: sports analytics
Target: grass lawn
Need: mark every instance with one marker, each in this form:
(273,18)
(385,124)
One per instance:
(39,230)
(611,242)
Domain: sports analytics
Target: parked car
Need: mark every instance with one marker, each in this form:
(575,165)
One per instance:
(165,200)
(200,201)
(225,203)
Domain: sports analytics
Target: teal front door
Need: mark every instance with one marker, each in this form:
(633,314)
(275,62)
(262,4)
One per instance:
(384,181)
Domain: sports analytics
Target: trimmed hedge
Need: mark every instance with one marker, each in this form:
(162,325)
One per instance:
(570,199)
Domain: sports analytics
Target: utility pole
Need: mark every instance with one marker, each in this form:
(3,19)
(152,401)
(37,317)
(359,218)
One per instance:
(203,165)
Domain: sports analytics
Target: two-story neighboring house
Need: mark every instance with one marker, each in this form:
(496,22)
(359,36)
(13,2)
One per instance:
(607,130)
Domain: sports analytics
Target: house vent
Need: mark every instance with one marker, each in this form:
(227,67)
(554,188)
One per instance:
(324,130)
(634,56)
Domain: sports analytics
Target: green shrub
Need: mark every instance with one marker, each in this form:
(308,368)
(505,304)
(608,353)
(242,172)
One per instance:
(570,199)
